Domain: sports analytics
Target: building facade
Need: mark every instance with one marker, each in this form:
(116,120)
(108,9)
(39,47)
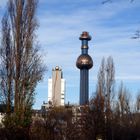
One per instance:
(56,88)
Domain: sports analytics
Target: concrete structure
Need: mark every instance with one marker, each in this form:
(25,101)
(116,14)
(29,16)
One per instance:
(84,63)
(56,88)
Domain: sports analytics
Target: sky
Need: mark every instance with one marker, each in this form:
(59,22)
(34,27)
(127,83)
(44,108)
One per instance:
(111,25)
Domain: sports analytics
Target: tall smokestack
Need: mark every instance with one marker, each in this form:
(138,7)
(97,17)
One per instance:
(84,63)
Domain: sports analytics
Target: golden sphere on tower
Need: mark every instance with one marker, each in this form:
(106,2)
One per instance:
(84,61)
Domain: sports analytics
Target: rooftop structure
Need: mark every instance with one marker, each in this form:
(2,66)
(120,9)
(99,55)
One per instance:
(56,88)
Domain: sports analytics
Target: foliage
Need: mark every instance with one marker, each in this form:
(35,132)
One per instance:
(21,65)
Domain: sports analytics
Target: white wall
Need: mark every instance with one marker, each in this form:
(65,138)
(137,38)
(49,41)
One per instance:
(49,89)
(63,91)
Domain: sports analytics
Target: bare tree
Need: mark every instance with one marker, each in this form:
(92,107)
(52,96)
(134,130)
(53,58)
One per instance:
(109,1)
(138,103)
(136,35)
(124,118)
(6,54)
(110,82)
(137,32)
(21,64)
(102,102)
(106,81)
(123,99)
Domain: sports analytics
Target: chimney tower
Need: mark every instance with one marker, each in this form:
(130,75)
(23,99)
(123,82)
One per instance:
(84,63)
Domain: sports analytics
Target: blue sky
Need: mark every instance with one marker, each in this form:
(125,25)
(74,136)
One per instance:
(111,26)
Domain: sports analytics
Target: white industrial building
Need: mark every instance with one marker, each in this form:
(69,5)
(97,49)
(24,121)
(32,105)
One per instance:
(56,88)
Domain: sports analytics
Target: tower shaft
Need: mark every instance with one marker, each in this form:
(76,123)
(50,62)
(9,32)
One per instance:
(84,86)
